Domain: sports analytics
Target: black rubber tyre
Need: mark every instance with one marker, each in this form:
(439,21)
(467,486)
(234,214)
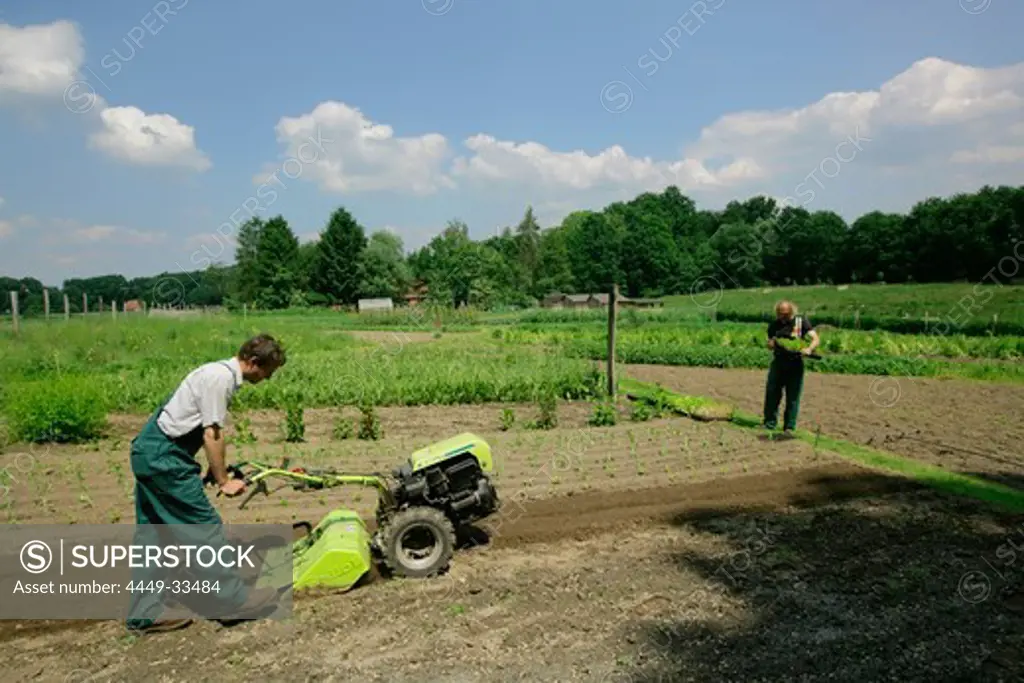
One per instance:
(417,542)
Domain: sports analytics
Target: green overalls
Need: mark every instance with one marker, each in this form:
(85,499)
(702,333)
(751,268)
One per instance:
(786,373)
(169,490)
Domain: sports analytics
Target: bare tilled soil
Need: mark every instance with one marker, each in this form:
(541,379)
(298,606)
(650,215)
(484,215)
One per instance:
(668,550)
(771,583)
(94,484)
(965,426)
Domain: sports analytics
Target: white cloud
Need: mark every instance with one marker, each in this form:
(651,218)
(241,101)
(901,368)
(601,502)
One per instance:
(115,233)
(95,233)
(990,154)
(337,147)
(39,59)
(132,135)
(932,113)
(917,117)
(46,60)
(58,231)
(535,164)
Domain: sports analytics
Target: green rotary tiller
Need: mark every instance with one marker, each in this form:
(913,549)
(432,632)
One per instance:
(421,508)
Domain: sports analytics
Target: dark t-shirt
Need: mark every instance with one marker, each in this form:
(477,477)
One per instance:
(777,328)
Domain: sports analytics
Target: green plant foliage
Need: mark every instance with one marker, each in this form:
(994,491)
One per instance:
(369,423)
(61,411)
(508,419)
(604,415)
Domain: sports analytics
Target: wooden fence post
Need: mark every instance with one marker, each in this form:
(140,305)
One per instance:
(113,310)
(67,308)
(613,297)
(14,310)
(46,302)
(85,303)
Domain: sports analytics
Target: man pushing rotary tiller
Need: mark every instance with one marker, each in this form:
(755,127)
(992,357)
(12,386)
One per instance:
(421,507)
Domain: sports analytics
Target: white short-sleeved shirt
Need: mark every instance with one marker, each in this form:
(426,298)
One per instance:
(202,399)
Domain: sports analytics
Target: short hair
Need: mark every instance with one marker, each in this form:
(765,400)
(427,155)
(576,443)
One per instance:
(264,350)
(784,303)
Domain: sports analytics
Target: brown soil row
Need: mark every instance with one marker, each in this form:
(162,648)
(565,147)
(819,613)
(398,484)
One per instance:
(756,578)
(522,522)
(965,426)
(86,485)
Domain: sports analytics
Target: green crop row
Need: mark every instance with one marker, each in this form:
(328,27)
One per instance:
(740,336)
(632,350)
(60,388)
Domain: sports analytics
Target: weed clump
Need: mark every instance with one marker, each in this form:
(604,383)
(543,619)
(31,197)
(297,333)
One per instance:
(65,410)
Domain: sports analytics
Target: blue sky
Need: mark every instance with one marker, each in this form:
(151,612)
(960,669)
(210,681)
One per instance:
(729,112)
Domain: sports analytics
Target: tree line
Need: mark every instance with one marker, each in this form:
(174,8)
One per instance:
(653,245)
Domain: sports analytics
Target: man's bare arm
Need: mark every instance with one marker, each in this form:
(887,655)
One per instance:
(814,341)
(216,453)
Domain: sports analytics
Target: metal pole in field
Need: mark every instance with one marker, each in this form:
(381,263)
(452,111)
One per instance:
(613,296)
(14,310)
(46,302)
(67,308)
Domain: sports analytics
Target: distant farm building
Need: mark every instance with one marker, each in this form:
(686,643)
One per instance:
(638,303)
(375,305)
(416,295)
(579,301)
(559,300)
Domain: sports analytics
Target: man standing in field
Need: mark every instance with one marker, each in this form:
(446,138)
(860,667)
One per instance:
(787,369)
(168,486)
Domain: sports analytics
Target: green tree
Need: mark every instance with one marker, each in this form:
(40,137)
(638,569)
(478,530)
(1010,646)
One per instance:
(528,243)
(595,248)
(737,254)
(247,278)
(278,267)
(385,273)
(554,272)
(337,272)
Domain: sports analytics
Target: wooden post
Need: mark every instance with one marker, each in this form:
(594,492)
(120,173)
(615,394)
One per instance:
(613,297)
(46,302)
(14,310)
(85,303)
(113,310)
(67,308)
(101,304)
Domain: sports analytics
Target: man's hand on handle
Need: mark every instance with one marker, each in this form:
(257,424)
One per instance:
(233,487)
